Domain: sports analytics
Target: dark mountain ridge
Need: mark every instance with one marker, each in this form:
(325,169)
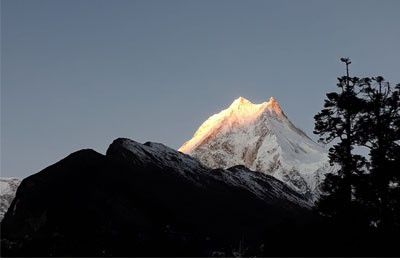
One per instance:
(142,200)
(148,200)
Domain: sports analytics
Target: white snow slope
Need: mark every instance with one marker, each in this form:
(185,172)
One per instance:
(8,188)
(261,137)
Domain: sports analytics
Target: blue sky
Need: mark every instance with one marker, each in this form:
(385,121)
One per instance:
(79,73)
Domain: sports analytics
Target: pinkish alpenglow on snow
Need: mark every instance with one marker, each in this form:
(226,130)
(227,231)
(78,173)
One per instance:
(261,137)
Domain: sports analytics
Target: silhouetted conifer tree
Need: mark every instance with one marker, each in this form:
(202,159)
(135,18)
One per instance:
(362,199)
(338,122)
(380,122)
(364,112)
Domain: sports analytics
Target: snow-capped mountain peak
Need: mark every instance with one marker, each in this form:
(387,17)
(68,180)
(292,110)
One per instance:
(261,137)
(242,104)
(274,106)
(240,112)
(250,110)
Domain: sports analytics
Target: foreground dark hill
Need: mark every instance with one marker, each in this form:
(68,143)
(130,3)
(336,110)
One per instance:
(152,201)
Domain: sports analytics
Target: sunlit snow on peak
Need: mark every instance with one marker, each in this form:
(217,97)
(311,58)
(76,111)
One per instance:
(273,104)
(245,108)
(240,112)
(262,138)
(241,101)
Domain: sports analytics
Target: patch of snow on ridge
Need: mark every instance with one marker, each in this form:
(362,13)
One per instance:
(8,188)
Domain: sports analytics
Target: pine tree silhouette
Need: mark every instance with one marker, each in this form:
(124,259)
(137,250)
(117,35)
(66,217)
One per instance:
(337,122)
(380,121)
(362,200)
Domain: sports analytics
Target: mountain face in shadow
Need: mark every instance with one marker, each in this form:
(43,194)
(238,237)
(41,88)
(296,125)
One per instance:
(148,200)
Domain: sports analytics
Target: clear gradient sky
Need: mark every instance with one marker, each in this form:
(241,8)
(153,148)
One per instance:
(79,73)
